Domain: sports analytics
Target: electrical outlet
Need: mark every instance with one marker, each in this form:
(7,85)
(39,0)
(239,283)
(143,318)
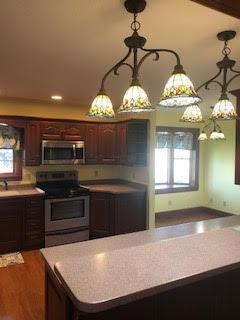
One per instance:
(96,173)
(224,203)
(169,202)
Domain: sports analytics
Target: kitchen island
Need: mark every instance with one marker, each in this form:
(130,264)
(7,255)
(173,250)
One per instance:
(141,276)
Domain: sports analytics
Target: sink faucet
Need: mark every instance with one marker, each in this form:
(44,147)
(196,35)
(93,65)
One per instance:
(5,185)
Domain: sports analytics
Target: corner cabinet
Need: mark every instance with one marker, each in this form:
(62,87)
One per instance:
(107,143)
(91,143)
(112,214)
(21,224)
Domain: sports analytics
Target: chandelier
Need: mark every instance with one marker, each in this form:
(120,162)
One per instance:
(178,92)
(215,131)
(223,109)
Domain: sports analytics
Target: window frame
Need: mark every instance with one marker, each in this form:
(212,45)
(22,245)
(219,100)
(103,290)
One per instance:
(17,168)
(194,185)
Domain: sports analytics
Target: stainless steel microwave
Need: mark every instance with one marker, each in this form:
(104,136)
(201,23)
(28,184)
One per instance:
(63,152)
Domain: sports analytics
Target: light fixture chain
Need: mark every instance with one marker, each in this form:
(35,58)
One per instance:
(135,25)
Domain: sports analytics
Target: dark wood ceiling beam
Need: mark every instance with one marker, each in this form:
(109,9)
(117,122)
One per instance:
(230,7)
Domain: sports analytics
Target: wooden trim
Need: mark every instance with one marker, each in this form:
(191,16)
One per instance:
(28,118)
(231,8)
(193,211)
(237,145)
(195,186)
(17,171)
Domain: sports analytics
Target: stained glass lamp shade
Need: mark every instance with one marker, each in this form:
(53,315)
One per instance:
(192,114)
(179,92)
(101,107)
(135,100)
(202,136)
(217,135)
(224,109)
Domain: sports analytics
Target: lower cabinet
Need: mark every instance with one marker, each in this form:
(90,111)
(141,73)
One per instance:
(112,214)
(21,224)
(11,224)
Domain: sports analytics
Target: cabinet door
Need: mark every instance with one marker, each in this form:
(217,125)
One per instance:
(137,132)
(11,224)
(52,130)
(33,144)
(101,215)
(122,143)
(74,131)
(91,143)
(107,143)
(33,226)
(130,212)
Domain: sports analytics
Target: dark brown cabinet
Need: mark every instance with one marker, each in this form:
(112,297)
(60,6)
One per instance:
(52,130)
(33,223)
(101,215)
(107,144)
(21,223)
(74,132)
(33,144)
(11,224)
(112,214)
(91,143)
(122,147)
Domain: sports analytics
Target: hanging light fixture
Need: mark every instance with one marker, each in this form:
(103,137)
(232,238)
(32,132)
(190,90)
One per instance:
(178,92)
(215,131)
(224,109)
(192,114)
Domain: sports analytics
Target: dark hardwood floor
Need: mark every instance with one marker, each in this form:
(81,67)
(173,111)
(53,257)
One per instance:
(22,289)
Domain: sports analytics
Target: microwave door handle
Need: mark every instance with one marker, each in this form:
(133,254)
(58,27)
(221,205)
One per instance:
(74,152)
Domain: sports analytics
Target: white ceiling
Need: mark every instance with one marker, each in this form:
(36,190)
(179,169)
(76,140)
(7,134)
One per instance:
(65,46)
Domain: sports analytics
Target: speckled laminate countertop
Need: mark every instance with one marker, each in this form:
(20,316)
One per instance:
(108,279)
(113,188)
(66,261)
(21,191)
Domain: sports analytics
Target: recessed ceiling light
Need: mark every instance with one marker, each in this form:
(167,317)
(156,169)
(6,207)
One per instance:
(56,97)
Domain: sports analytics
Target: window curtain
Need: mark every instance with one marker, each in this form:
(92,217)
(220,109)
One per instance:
(174,140)
(10,138)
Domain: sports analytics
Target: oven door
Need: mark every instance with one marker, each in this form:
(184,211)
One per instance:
(66,213)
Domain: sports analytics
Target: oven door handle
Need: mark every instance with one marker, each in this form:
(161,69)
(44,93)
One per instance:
(66,231)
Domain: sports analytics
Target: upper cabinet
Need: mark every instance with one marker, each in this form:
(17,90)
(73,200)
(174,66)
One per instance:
(107,143)
(122,143)
(91,143)
(74,131)
(33,143)
(52,130)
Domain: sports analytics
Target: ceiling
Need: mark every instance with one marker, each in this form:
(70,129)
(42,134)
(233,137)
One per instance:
(65,46)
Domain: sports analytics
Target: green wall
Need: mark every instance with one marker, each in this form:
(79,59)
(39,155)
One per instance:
(221,192)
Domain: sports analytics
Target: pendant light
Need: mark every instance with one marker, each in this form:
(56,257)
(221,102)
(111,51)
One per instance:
(192,114)
(178,92)
(215,131)
(224,109)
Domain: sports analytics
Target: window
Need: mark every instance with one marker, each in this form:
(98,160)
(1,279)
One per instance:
(176,159)
(10,153)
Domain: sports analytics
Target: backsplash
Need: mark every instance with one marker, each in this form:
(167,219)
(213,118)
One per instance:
(89,172)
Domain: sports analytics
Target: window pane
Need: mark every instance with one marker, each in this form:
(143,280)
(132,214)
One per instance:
(161,165)
(6,161)
(181,171)
(182,154)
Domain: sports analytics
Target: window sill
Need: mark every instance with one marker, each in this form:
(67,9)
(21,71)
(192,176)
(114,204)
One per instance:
(167,188)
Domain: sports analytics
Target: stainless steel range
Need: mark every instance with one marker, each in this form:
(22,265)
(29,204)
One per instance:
(66,207)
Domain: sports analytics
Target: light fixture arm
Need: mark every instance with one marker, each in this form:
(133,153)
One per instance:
(114,69)
(206,84)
